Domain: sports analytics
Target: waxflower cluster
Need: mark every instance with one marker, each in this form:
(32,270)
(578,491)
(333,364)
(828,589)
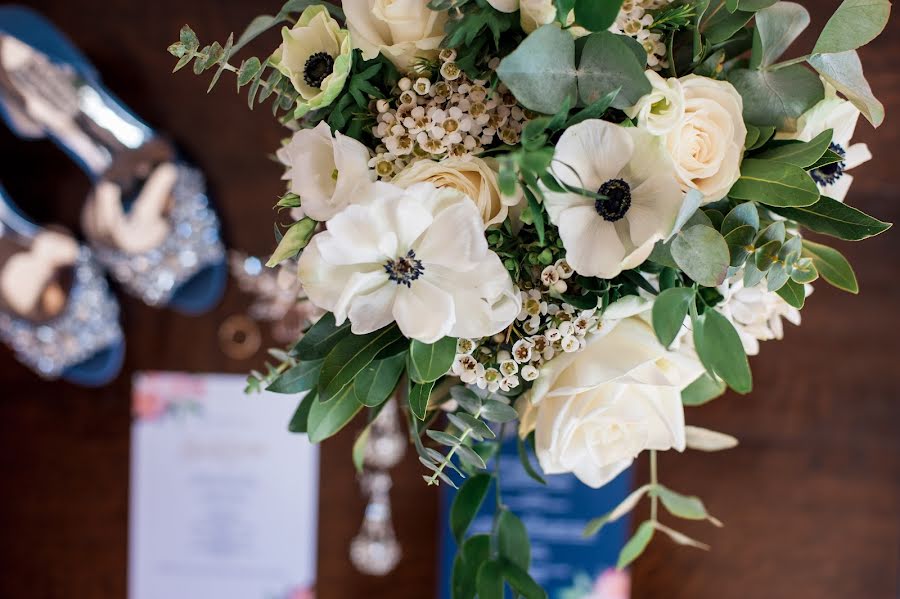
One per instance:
(453,116)
(635,20)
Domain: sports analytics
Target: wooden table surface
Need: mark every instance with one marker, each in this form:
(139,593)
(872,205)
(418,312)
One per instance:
(810,499)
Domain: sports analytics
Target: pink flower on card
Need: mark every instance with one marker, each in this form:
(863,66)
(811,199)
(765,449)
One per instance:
(147,406)
(612,584)
(301,594)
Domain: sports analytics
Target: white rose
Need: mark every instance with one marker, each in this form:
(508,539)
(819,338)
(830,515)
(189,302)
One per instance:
(400,29)
(326,172)
(707,145)
(595,410)
(662,109)
(473,176)
(534,13)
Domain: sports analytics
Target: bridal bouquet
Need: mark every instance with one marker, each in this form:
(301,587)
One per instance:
(567,219)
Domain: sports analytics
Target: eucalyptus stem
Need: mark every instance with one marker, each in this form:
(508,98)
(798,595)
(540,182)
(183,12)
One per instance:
(462,438)
(654,480)
(498,502)
(788,63)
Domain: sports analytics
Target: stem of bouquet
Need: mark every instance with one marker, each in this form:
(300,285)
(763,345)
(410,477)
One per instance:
(654,481)
(498,502)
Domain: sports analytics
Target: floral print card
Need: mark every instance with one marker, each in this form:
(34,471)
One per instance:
(223,497)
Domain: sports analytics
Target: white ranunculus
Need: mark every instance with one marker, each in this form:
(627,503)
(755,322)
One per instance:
(708,143)
(604,237)
(756,312)
(661,110)
(841,116)
(326,172)
(416,256)
(475,177)
(594,411)
(402,30)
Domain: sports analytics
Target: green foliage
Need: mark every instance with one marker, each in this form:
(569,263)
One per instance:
(687,507)
(832,265)
(321,338)
(300,420)
(466,504)
(327,418)
(775,184)
(777,27)
(777,98)
(702,253)
(830,217)
(798,153)
(702,391)
(541,71)
(855,23)
(301,377)
(608,64)
(522,447)
(430,361)
(597,15)
(636,545)
(512,539)
(721,351)
(844,71)
(669,311)
(375,384)
(419,393)
(349,357)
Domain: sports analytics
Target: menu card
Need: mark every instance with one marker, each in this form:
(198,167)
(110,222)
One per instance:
(223,497)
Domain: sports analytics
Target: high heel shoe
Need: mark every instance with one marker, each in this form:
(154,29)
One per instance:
(148,218)
(56,310)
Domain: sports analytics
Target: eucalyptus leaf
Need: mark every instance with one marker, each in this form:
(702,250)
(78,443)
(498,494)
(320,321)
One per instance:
(683,506)
(597,15)
(624,507)
(793,293)
(855,23)
(719,347)
(744,214)
(701,252)
(740,244)
(636,545)
(774,184)
(777,27)
(669,311)
(832,265)
(540,72)
(723,25)
(844,71)
(497,411)
(777,98)
(608,64)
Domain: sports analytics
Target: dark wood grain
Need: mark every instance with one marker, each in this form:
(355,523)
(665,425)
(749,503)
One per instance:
(810,499)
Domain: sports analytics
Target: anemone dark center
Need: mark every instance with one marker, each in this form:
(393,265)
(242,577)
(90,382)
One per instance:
(317,68)
(829,173)
(405,269)
(618,194)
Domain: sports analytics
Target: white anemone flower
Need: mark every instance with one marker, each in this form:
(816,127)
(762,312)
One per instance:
(604,237)
(841,116)
(326,170)
(414,256)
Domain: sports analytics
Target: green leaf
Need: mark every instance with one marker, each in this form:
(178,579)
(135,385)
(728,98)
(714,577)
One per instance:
(702,391)
(720,349)
(326,418)
(683,506)
(513,540)
(625,507)
(521,582)
(301,377)
(723,25)
(537,213)
(430,361)
(766,254)
(294,240)
(300,420)
(321,338)
(479,430)
(793,293)
(636,545)
(755,5)
(472,553)
(362,441)
(777,27)
(470,457)
(777,98)
(855,23)
(844,71)
(497,411)
(490,581)
(595,110)
(701,252)
(466,504)
(348,358)
(597,15)
(522,446)
(608,64)
(377,381)
(830,217)
(669,311)
(765,134)
(833,267)
(541,71)
(740,244)
(774,184)
(802,154)
(744,214)
(418,398)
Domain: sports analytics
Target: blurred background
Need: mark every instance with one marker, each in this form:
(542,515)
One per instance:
(809,499)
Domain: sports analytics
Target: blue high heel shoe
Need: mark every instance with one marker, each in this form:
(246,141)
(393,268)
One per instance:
(148,220)
(56,310)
